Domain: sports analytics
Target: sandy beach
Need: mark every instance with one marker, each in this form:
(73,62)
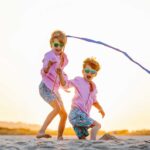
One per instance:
(11,142)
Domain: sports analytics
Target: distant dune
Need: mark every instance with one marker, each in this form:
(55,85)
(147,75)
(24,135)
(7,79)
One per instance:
(20,128)
(14,125)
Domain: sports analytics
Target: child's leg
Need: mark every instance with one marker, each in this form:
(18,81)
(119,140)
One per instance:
(94,130)
(50,117)
(63,118)
(81,132)
(81,122)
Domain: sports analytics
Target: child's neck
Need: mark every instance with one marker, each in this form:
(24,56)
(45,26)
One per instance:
(57,52)
(87,80)
(90,83)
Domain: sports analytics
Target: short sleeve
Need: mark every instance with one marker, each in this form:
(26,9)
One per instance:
(48,57)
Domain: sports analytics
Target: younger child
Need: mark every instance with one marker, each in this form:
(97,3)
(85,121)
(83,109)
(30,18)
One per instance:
(84,98)
(49,85)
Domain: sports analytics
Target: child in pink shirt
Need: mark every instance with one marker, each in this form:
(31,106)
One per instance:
(84,98)
(49,85)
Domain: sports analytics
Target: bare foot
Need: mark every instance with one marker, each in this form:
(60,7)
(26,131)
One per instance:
(39,135)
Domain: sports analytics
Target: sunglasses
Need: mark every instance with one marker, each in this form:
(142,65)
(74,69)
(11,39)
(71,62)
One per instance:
(87,70)
(58,44)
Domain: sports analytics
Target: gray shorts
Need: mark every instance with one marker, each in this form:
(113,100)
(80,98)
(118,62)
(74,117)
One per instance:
(48,95)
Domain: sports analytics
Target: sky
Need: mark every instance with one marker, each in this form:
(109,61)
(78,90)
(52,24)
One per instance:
(123,87)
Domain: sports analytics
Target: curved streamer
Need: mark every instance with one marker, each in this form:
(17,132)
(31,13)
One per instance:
(116,49)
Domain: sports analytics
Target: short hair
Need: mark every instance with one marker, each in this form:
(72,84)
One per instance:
(92,62)
(61,36)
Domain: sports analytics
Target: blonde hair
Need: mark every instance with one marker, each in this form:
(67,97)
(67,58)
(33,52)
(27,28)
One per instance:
(92,62)
(57,34)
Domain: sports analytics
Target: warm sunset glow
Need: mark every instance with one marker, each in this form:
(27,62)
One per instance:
(123,87)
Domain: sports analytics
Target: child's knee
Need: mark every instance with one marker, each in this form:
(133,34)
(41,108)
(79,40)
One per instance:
(63,114)
(97,125)
(56,110)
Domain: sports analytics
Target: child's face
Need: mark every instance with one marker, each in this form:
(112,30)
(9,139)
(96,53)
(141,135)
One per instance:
(57,46)
(89,73)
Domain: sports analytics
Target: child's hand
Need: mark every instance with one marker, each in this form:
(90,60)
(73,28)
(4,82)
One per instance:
(46,69)
(102,113)
(59,71)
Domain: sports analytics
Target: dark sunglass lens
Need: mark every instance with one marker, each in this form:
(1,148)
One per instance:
(61,44)
(87,70)
(93,71)
(56,44)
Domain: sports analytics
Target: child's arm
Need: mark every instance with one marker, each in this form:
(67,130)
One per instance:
(46,69)
(99,107)
(65,83)
(61,77)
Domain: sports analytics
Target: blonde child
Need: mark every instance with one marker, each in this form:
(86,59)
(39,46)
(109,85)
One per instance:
(84,98)
(48,88)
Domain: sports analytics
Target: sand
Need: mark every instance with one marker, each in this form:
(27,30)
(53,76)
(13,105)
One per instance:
(11,142)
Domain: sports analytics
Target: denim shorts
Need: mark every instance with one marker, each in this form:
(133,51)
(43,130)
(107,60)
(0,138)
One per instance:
(80,121)
(47,94)
(80,118)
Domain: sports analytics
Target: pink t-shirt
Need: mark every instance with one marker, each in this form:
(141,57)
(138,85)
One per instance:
(83,98)
(49,78)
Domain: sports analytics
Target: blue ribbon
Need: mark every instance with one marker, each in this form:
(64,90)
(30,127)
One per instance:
(116,49)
